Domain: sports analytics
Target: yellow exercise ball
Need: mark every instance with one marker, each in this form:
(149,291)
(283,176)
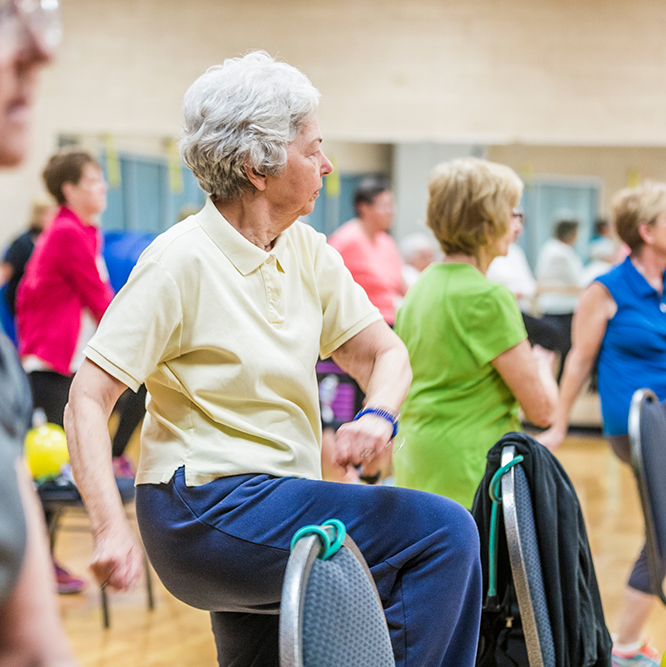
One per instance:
(46,450)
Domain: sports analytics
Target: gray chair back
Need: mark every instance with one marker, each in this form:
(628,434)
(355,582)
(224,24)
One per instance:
(647,434)
(523,547)
(331,614)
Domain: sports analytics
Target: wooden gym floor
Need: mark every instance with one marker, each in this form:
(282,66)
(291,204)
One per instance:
(174,634)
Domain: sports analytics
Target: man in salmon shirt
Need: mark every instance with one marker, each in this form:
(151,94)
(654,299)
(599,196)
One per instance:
(64,292)
(369,253)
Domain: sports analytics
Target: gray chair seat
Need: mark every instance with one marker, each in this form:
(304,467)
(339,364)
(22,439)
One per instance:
(331,614)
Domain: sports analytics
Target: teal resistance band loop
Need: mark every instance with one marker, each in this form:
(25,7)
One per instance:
(496,496)
(328,548)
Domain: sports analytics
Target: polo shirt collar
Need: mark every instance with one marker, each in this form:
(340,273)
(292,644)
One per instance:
(637,280)
(243,254)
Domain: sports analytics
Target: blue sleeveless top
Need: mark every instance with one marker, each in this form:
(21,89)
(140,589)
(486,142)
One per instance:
(633,349)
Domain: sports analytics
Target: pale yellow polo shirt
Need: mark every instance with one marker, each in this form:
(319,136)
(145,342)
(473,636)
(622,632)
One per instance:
(226,338)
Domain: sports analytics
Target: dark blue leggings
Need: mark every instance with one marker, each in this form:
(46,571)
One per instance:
(223,547)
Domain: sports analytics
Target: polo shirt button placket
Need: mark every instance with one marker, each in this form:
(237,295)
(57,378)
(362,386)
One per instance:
(662,307)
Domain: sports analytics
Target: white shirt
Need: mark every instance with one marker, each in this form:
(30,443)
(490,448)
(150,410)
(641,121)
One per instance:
(558,266)
(514,272)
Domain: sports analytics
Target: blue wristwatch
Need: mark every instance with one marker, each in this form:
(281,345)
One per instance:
(384,414)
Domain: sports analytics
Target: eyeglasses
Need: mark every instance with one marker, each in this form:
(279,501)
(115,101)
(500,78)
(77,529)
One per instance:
(517,212)
(36,19)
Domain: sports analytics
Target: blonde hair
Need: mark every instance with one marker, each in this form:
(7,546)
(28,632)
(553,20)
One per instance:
(632,207)
(470,202)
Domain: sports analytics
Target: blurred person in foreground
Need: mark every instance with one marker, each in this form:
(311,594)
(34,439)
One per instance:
(224,318)
(370,254)
(621,320)
(473,366)
(20,251)
(30,629)
(63,293)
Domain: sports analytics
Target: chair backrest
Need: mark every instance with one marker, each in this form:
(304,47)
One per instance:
(647,434)
(331,614)
(525,562)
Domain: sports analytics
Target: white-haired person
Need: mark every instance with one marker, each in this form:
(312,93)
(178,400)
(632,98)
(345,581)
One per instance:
(224,318)
(418,251)
(621,323)
(473,366)
(30,628)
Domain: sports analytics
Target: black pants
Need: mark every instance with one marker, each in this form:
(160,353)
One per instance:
(132,408)
(562,325)
(50,391)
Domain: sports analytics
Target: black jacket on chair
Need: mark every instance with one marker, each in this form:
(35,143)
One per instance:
(574,604)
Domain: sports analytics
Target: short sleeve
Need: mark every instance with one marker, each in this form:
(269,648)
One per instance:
(141,328)
(492,323)
(345,305)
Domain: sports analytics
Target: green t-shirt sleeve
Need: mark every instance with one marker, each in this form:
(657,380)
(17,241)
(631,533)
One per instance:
(492,323)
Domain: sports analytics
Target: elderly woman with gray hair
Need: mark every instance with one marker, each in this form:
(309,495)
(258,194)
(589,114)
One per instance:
(224,318)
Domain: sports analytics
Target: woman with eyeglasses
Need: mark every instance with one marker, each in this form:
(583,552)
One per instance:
(621,323)
(472,364)
(30,629)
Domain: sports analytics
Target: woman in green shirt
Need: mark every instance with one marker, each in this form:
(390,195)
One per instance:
(473,366)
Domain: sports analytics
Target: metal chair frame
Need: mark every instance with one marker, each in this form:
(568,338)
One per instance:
(640,397)
(517,560)
(293,595)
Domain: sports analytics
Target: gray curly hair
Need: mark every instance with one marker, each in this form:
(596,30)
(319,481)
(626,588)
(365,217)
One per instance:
(245,111)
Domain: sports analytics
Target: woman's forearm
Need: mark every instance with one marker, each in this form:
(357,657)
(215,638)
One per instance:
(576,369)
(390,378)
(89,444)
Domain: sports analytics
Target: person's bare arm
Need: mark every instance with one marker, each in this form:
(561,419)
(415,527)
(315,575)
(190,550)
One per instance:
(595,309)
(30,628)
(378,360)
(529,375)
(117,557)
(6,272)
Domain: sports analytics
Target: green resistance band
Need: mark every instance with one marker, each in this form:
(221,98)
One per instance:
(496,497)
(330,542)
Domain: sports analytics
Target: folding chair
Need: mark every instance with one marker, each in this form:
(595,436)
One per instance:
(58,496)
(525,562)
(647,434)
(331,614)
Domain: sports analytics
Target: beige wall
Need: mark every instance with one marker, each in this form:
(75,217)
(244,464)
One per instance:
(616,166)
(579,72)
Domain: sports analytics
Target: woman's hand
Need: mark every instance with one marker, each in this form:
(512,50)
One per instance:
(552,438)
(363,442)
(117,559)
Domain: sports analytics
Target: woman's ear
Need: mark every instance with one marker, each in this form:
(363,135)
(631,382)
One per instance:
(646,232)
(257,179)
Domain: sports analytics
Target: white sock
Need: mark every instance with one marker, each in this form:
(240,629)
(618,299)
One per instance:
(634,647)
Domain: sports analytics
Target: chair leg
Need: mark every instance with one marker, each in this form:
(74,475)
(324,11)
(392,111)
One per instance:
(149,583)
(52,521)
(105,608)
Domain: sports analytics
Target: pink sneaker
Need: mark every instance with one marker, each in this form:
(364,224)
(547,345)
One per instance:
(67,584)
(122,467)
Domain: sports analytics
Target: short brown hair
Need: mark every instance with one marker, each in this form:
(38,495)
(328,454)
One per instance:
(632,207)
(470,203)
(65,167)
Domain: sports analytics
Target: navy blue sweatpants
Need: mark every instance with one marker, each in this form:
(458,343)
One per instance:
(224,546)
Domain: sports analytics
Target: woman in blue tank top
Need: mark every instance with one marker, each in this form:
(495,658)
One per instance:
(621,318)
